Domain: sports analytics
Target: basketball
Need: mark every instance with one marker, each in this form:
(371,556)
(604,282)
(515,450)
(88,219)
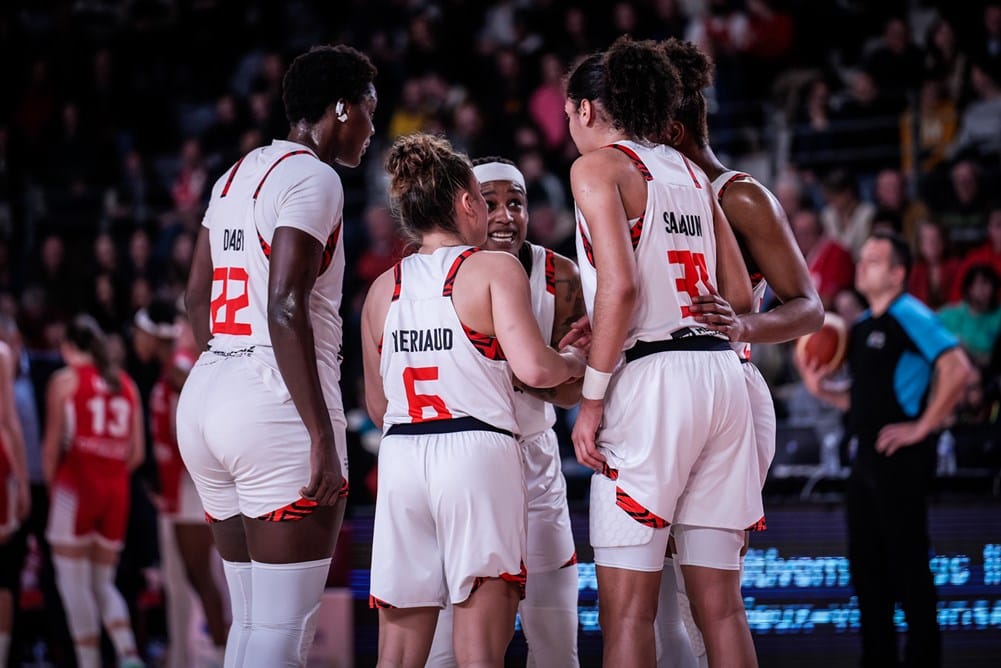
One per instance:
(827,345)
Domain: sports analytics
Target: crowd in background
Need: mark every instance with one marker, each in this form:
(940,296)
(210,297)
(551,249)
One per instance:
(119,116)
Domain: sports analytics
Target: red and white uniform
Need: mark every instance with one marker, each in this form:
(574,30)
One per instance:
(550,538)
(677,433)
(451,500)
(762,405)
(8,494)
(177,490)
(238,431)
(90,494)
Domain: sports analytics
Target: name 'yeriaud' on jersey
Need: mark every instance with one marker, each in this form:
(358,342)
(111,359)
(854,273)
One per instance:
(683,223)
(420,340)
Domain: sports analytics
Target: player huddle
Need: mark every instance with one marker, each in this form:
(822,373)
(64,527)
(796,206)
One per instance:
(467,343)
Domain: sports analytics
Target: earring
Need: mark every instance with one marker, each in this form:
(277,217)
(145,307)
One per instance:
(339,110)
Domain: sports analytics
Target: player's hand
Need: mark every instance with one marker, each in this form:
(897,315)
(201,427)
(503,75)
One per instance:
(576,361)
(899,435)
(715,313)
(579,335)
(23,507)
(326,478)
(812,372)
(585,432)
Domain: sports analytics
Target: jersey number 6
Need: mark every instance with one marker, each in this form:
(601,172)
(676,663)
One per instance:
(416,403)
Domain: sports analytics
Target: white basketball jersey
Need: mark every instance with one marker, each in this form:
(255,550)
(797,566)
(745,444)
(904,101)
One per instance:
(433,367)
(534,415)
(674,242)
(283,184)
(758,283)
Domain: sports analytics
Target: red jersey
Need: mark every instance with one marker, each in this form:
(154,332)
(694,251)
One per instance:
(100,422)
(163,421)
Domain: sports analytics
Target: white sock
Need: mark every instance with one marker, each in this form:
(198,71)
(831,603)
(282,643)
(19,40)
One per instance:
(442,654)
(549,618)
(674,649)
(114,612)
(88,656)
(239,581)
(283,619)
(4,647)
(74,579)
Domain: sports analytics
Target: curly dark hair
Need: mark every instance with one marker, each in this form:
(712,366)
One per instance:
(492,158)
(321,76)
(425,174)
(634,82)
(695,67)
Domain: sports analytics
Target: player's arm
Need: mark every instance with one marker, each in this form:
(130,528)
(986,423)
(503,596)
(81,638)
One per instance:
(138,453)
(199,290)
(569,309)
(60,389)
(13,436)
(294,265)
(373,323)
(952,371)
(532,361)
(758,218)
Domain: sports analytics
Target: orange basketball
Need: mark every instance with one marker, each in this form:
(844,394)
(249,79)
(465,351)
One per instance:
(828,344)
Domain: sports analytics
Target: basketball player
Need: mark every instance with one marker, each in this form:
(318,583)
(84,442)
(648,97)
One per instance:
(772,257)
(261,424)
(186,549)
(93,441)
(549,611)
(15,495)
(669,431)
(442,333)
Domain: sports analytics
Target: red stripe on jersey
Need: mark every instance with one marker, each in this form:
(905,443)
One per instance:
(636,160)
(758,526)
(329,247)
(571,561)
(637,511)
(609,472)
(209,519)
(722,188)
(293,512)
(265,246)
(374,602)
(635,232)
(446,291)
(691,171)
(550,272)
(588,251)
(398,277)
(488,345)
(378,346)
(229,179)
(272,168)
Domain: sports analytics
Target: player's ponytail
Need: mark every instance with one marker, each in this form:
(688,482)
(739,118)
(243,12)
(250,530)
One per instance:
(84,334)
(695,68)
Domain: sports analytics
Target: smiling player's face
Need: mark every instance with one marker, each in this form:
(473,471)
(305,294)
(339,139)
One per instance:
(507,222)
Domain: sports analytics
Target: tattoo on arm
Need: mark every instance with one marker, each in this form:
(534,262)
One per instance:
(569,303)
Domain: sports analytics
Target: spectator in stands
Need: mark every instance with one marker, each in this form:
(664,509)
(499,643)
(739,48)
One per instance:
(976,320)
(865,126)
(813,137)
(963,211)
(846,218)
(830,264)
(934,272)
(988,46)
(892,201)
(987,253)
(546,103)
(980,124)
(895,63)
(944,61)
(936,128)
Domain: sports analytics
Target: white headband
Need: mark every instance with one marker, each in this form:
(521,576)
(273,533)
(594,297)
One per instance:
(499,171)
(162,330)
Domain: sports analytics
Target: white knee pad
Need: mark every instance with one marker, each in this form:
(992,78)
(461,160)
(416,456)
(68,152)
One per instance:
(708,547)
(73,578)
(284,608)
(239,581)
(549,618)
(442,654)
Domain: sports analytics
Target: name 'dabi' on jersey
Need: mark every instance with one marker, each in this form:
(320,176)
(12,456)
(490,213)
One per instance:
(421,340)
(232,240)
(683,223)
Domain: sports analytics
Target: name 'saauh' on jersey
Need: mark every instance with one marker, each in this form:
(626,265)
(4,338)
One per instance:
(683,223)
(422,340)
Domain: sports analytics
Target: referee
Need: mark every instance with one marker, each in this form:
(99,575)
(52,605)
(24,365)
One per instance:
(907,374)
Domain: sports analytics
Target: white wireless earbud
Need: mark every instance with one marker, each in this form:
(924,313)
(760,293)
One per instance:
(339,110)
